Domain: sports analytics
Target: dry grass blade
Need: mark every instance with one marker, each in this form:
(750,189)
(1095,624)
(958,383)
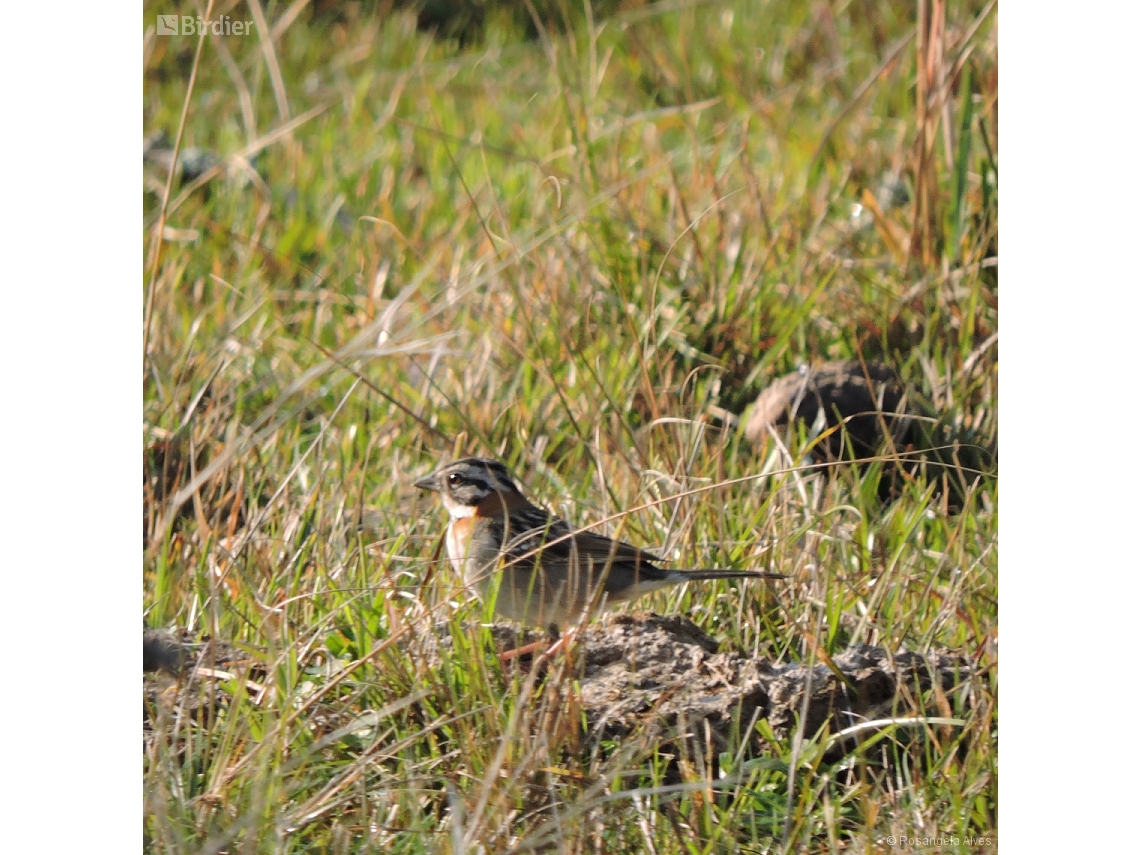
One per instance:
(270,52)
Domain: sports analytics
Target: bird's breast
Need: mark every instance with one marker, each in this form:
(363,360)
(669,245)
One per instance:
(472,551)
(458,540)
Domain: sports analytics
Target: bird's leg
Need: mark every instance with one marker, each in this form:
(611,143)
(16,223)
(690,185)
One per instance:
(529,649)
(555,641)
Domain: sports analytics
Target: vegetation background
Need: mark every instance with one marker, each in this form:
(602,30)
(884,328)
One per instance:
(572,238)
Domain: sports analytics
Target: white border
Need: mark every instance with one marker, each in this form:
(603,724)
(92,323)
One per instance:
(70,430)
(1070,578)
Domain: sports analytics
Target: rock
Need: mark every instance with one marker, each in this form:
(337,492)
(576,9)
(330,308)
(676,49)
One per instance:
(864,398)
(192,161)
(162,652)
(869,401)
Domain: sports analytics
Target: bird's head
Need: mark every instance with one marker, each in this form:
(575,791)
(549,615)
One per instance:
(463,485)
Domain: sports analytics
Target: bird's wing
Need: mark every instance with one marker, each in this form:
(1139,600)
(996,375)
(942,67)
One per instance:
(603,547)
(561,545)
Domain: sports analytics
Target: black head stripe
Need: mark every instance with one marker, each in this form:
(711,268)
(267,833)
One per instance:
(470,480)
(488,474)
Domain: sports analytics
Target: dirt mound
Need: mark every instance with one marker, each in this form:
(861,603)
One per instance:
(665,672)
(663,677)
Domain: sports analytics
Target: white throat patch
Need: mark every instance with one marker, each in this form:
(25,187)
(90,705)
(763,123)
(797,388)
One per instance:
(456,510)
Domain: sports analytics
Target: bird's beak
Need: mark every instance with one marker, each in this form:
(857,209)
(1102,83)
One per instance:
(428,482)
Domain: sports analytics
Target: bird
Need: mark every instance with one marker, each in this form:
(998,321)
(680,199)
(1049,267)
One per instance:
(553,575)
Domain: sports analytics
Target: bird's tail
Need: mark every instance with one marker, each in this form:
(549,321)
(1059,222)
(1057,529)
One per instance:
(684,575)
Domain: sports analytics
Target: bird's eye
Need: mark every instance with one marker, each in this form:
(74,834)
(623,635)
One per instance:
(454,479)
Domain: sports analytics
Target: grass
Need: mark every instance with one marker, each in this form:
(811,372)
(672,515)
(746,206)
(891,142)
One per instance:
(565,252)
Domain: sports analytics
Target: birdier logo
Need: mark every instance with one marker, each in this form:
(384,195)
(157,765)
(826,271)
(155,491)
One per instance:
(192,25)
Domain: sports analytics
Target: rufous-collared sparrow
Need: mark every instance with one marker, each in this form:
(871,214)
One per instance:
(552,574)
